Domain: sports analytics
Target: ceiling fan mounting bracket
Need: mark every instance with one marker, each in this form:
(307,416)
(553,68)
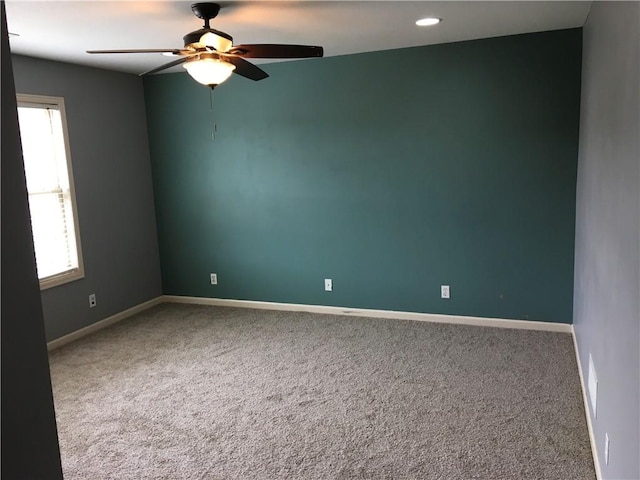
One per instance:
(206,11)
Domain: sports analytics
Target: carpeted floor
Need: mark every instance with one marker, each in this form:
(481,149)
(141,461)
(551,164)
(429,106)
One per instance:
(196,392)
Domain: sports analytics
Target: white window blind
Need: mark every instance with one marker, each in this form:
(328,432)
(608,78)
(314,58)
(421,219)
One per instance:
(49,178)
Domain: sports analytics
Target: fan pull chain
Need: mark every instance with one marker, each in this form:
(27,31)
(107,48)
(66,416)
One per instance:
(214,127)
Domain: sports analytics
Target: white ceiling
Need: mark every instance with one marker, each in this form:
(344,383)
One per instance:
(62,30)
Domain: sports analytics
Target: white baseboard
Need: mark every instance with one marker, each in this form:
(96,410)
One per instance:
(59,342)
(364,312)
(295,307)
(587,408)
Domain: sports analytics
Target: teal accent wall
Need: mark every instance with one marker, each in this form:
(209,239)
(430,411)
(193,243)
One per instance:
(390,172)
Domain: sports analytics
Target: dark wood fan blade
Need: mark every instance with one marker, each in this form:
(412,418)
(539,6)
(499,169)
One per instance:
(174,51)
(246,69)
(271,50)
(167,65)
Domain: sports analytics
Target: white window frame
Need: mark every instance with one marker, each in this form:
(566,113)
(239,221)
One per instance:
(41,101)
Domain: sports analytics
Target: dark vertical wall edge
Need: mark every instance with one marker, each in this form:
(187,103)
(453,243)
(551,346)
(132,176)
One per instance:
(29,438)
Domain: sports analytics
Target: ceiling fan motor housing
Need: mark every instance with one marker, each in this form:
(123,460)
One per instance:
(208,37)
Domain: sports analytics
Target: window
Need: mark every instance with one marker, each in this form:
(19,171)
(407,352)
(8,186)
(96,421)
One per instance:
(52,203)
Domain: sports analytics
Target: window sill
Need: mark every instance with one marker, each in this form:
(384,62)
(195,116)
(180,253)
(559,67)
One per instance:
(57,280)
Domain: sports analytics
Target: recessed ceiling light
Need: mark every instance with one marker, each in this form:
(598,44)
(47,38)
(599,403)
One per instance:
(426,22)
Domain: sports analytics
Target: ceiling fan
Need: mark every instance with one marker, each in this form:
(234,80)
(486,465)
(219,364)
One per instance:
(210,56)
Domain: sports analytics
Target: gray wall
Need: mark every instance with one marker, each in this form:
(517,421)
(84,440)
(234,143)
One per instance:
(111,167)
(607,261)
(29,439)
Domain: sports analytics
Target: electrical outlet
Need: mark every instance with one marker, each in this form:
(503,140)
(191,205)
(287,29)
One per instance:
(214,279)
(606,449)
(92,300)
(328,285)
(445,291)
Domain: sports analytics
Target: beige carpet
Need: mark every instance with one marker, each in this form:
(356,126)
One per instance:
(194,392)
